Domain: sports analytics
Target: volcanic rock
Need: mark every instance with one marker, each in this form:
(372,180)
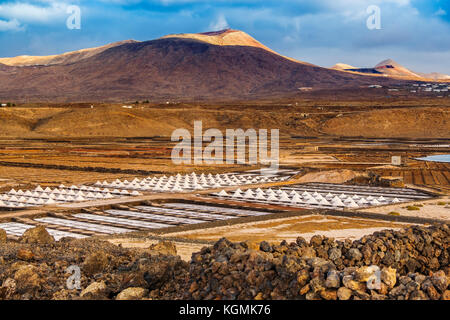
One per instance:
(25,254)
(251,72)
(95,290)
(95,263)
(333,280)
(354,254)
(27,279)
(344,293)
(132,294)
(334,253)
(8,288)
(233,271)
(439,280)
(38,235)
(265,246)
(164,248)
(363,274)
(446,295)
(389,276)
(329,294)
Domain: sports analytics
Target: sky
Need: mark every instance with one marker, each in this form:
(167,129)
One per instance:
(415,33)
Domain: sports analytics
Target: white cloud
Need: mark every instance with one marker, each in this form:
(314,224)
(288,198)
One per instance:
(440,12)
(11,25)
(30,13)
(219,24)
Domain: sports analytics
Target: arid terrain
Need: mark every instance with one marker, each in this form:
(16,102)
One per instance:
(345,143)
(395,117)
(227,65)
(87,177)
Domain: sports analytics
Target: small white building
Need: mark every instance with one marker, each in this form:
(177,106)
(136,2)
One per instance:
(396,160)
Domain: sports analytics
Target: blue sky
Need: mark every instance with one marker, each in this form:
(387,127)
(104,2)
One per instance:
(415,33)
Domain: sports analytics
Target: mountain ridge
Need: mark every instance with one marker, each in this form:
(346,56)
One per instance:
(228,37)
(391,68)
(66,57)
(172,68)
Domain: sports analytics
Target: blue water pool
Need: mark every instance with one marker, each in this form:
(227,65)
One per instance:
(437,158)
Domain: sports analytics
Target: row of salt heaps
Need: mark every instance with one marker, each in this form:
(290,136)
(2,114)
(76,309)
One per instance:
(307,199)
(62,194)
(180,183)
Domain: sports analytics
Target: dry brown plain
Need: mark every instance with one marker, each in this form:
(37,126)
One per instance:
(77,144)
(325,140)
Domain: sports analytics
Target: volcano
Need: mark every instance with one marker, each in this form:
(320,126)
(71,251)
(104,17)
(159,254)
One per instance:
(224,65)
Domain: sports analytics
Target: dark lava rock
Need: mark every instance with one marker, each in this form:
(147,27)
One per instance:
(354,254)
(412,264)
(334,253)
(37,235)
(95,263)
(265,246)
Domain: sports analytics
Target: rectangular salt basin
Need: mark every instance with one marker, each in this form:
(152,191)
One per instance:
(121,221)
(216,209)
(185,213)
(436,158)
(83,225)
(153,216)
(18,229)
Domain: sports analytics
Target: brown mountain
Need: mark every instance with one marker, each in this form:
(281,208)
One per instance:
(390,68)
(181,68)
(227,37)
(68,57)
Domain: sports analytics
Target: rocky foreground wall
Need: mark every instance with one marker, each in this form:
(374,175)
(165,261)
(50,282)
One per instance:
(407,264)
